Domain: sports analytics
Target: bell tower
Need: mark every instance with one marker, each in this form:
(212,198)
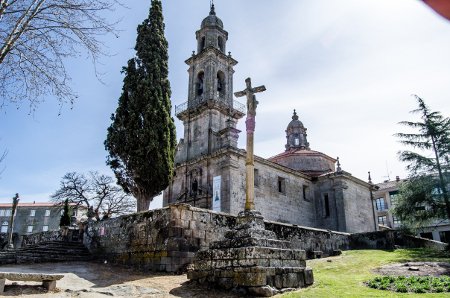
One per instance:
(210,115)
(296,135)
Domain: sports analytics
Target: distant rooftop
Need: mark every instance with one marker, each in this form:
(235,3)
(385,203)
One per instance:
(34,204)
(390,184)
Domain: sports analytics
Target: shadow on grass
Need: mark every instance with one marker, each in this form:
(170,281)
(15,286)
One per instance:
(423,255)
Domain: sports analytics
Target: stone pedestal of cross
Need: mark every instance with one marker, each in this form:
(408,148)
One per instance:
(250,126)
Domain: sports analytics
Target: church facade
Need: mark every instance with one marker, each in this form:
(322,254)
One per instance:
(298,186)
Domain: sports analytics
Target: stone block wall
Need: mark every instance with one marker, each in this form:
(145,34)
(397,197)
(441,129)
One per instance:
(390,240)
(310,239)
(167,239)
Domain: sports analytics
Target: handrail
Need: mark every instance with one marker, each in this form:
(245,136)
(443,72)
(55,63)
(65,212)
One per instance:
(199,101)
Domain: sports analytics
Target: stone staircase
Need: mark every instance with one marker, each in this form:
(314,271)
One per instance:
(51,251)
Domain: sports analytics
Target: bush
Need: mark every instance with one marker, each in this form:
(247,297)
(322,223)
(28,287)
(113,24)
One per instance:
(415,284)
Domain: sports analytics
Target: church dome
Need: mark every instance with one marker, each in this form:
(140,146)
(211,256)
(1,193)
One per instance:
(295,123)
(212,20)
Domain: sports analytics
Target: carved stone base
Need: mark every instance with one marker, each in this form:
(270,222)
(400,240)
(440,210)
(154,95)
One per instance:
(251,259)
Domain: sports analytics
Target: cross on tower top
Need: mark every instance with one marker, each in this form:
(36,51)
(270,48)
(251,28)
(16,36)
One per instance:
(212,11)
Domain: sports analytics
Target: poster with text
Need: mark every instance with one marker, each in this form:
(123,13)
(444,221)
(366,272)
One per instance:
(217,181)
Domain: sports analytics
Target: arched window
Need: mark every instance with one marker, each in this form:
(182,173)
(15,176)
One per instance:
(220,43)
(199,84)
(220,83)
(195,186)
(202,44)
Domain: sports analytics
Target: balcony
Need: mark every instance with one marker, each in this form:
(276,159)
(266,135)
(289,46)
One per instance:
(179,109)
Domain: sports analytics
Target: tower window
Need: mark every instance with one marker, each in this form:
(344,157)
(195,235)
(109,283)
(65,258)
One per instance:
(220,43)
(199,84)
(195,186)
(220,83)
(297,141)
(203,42)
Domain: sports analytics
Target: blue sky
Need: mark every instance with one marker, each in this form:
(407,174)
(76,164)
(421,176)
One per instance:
(348,67)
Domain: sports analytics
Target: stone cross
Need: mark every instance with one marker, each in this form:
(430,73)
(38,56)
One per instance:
(252,103)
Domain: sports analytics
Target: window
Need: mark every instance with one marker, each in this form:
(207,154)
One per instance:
(4,227)
(380,204)
(44,228)
(256,177)
(382,220)
(297,141)
(220,43)
(47,212)
(220,83)
(199,84)
(282,185)
(2,212)
(29,229)
(194,186)
(305,192)
(32,212)
(326,205)
(396,220)
(445,236)
(202,46)
(8,212)
(394,197)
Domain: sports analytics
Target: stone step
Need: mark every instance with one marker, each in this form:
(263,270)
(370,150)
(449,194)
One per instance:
(51,251)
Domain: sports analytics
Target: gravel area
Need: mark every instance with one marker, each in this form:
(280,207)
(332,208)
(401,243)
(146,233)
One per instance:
(87,280)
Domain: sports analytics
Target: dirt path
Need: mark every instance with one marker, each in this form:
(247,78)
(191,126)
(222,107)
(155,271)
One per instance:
(87,280)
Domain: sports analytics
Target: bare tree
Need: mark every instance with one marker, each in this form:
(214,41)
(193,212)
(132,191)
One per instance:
(2,158)
(35,38)
(95,191)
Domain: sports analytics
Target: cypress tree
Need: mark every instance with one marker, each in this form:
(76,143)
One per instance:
(65,217)
(141,139)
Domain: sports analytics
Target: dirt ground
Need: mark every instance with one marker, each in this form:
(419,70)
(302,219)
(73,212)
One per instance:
(415,268)
(89,280)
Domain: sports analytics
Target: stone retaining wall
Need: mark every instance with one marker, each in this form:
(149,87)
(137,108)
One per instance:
(167,239)
(391,239)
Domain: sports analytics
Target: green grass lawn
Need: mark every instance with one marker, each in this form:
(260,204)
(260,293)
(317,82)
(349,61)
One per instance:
(345,275)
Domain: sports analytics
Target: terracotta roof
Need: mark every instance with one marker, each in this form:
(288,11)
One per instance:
(390,184)
(301,152)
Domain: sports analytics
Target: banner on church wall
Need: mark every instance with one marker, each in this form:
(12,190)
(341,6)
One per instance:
(217,183)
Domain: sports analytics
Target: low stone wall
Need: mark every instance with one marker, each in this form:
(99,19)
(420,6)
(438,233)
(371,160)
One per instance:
(391,239)
(36,238)
(309,239)
(167,239)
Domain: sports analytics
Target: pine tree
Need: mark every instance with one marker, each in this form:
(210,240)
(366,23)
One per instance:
(141,139)
(425,196)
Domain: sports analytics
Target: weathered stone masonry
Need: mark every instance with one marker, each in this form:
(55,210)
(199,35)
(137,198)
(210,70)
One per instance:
(167,239)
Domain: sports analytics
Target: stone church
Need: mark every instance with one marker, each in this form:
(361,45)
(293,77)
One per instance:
(298,186)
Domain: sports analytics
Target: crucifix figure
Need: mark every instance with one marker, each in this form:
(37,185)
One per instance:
(252,103)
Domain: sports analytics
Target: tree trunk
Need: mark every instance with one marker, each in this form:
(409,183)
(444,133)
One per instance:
(143,203)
